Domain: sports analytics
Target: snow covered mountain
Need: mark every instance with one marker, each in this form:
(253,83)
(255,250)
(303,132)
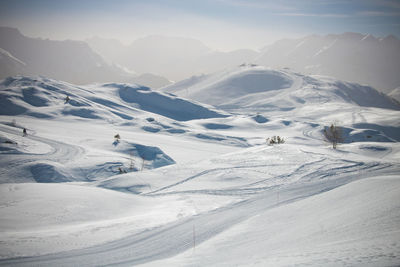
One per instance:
(119,174)
(350,56)
(258,88)
(72,61)
(172,57)
(10,65)
(395,94)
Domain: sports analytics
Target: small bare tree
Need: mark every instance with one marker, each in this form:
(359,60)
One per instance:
(333,134)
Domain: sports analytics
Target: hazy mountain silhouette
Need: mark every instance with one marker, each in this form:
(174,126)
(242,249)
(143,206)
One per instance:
(350,56)
(173,57)
(72,61)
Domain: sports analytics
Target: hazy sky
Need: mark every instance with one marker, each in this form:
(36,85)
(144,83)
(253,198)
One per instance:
(220,24)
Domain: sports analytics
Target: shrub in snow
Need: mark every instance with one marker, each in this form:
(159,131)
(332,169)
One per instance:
(333,134)
(117,137)
(275,140)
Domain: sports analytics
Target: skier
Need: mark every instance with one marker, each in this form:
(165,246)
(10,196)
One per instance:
(24,133)
(66,99)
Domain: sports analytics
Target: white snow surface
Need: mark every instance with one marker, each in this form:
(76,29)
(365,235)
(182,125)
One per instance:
(202,187)
(259,88)
(395,94)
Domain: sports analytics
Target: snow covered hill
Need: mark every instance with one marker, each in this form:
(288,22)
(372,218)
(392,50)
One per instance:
(119,174)
(259,88)
(355,57)
(45,98)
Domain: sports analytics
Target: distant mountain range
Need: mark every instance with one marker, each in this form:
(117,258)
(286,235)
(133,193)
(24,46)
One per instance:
(72,61)
(350,57)
(173,57)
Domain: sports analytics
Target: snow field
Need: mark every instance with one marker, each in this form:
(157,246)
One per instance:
(352,225)
(205,188)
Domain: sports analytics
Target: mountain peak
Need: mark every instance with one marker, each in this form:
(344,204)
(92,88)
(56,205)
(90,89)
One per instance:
(9,31)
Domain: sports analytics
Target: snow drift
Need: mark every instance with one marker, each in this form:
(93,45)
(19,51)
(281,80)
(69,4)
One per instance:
(45,98)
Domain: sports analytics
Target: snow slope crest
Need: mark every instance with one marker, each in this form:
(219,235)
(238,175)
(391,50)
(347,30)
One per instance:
(259,88)
(46,98)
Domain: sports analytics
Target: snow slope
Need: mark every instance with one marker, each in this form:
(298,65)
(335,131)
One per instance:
(201,186)
(258,88)
(44,98)
(395,94)
(338,228)
(355,57)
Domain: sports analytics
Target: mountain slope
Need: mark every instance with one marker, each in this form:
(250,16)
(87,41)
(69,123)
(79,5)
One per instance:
(46,98)
(259,88)
(64,60)
(122,175)
(72,61)
(172,57)
(10,65)
(395,94)
(350,56)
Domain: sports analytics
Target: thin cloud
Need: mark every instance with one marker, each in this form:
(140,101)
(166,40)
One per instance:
(377,14)
(314,15)
(258,4)
(389,3)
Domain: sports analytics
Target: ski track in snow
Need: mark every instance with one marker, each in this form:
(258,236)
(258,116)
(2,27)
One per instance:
(267,178)
(60,153)
(174,238)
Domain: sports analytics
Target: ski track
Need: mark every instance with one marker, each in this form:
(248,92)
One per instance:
(310,177)
(307,179)
(60,153)
(176,237)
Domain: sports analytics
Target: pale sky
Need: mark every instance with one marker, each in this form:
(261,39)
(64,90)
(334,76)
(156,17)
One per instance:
(220,24)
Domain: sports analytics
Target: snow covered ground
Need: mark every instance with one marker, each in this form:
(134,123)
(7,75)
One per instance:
(189,184)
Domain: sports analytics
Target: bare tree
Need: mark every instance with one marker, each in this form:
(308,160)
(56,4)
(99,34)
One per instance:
(333,134)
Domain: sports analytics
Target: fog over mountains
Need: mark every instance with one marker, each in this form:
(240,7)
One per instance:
(155,60)
(353,57)
(173,57)
(68,60)
(350,56)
